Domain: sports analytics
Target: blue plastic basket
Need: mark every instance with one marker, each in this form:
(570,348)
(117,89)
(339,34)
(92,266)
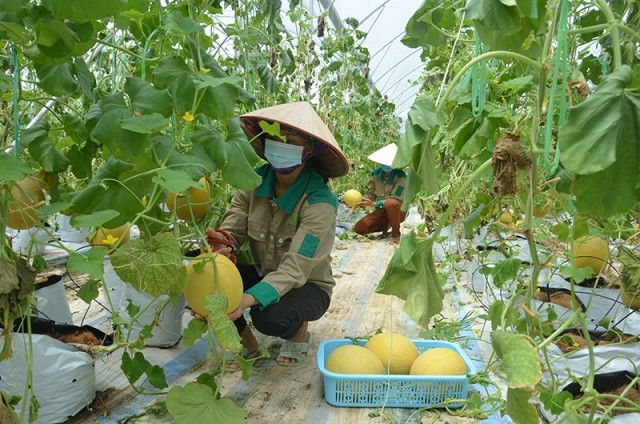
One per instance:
(394,391)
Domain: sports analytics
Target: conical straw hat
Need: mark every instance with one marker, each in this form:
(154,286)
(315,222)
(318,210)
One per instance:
(385,155)
(300,116)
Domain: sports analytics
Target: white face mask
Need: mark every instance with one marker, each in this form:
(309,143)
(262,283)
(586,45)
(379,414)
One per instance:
(282,155)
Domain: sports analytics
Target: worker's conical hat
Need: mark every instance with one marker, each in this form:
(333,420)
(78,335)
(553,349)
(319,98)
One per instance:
(385,155)
(300,116)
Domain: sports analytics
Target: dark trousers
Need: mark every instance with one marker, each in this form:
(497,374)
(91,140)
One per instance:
(285,318)
(380,220)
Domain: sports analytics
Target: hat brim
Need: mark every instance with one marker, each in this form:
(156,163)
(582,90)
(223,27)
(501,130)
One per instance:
(385,155)
(299,116)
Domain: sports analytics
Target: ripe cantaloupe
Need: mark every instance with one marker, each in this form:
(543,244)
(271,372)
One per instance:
(27,197)
(199,199)
(203,279)
(352,197)
(506,218)
(396,352)
(353,359)
(590,251)
(439,361)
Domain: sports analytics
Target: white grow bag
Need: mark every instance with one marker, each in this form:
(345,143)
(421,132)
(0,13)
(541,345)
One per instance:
(64,380)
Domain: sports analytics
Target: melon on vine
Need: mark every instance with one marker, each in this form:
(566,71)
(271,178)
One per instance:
(211,273)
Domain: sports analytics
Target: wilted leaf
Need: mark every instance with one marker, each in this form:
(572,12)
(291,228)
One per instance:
(519,358)
(153,267)
(411,275)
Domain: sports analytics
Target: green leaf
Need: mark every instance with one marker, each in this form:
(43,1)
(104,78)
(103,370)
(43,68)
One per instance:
(52,208)
(173,74)
(519,408)
(89,291)
(423,28)
(519,358)
(415,149)
(554,402)
(153,267)
(95,219)
(196,402)
(411,275)
(577,275)
(57,80)
(194,331)
(509,25)
(84,10)
(193,162)
(91,263)
(122,143)
(473,221)
(235,156)
(147,99)
(182,24)
(13,168)
(107,191)
(134,368)
(144,124)
(562,231)
(36,140)
(603,128)
(506,270)
(174,181)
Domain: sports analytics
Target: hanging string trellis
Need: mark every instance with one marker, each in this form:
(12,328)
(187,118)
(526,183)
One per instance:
(560,67)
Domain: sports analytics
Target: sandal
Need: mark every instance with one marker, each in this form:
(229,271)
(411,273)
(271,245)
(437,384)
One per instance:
(294,350)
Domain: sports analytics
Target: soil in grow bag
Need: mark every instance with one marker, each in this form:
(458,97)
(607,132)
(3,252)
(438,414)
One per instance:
(66,333)
(574,340)
(561,297)
(613,383)
(597,282)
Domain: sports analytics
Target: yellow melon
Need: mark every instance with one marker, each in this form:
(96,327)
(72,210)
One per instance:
(352,197)
(199,200)
(590,251)
(111,236)
(353,359)
(204,278)
(396,352)
(27,197)
(439,361)
(506,218)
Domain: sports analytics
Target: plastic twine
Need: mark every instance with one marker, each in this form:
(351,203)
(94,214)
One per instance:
(16,98)
(559,66)
(478,80)
(605,63)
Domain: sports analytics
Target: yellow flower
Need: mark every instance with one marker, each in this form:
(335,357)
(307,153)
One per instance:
(205,70)
(110,240)
(188,117)
(144,200)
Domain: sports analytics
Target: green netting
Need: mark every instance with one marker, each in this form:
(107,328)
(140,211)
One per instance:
(559,69)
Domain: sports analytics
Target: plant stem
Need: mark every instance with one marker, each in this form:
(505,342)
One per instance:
(461,191)
(613,29)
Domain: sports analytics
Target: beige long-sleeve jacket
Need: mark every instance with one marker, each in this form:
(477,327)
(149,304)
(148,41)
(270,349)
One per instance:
(381,188)
(290,237)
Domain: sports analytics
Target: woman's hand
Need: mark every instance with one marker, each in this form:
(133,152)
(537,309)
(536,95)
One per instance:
(246,302)
(218,247)
(366,202)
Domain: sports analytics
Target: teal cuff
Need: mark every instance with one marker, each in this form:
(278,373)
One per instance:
(264,293)
(379,204)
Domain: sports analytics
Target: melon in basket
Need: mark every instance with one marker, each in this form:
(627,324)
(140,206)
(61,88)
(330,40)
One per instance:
(353,359)
(439,361)
(396,352)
